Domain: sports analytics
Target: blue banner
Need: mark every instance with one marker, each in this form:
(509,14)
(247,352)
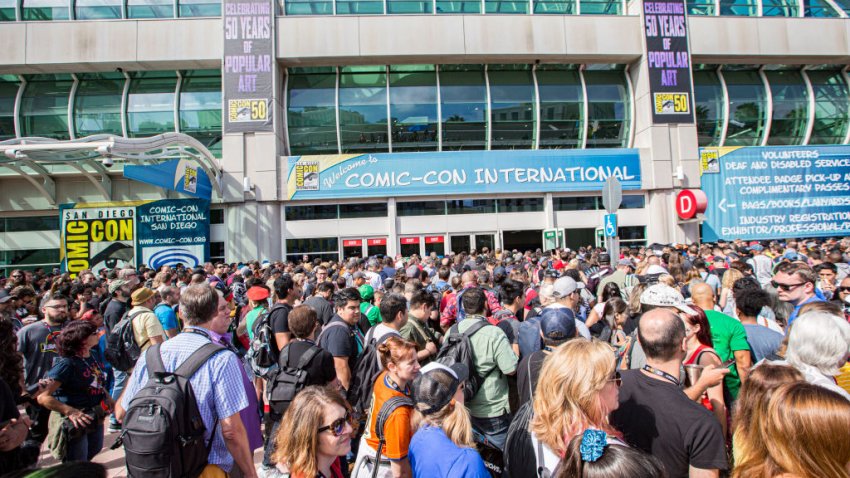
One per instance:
(776,192)
(173,231)
(179,175)
(459,172)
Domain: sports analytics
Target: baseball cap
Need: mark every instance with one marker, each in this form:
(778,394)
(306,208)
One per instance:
(604,258)
(756,247)
(5,296)
(626,262)
(366,292)
(258,293)
(116,284)
(565,286)
(662,295)
(551,273)
(436,384)
(791,255)
(557,323)
(655,269)
(358,275)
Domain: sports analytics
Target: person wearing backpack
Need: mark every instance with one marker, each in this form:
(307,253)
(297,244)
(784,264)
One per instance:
(165,310)
(147,330)
(492,359)
(341,337)
(455,311)
(398,360)
(218,390)
(302,363)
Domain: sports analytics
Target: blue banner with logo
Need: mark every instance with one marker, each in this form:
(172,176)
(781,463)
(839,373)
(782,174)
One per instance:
(776,192)
(181,175)
(173,231)
(459,172)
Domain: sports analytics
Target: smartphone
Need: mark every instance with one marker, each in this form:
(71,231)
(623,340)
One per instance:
(728,363)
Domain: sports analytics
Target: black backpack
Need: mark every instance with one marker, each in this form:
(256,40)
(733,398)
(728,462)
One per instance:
(122,351)
(163,431)
(458,349)
(364,375)
(262,351)
(520,457)
(384,414)
(289,380)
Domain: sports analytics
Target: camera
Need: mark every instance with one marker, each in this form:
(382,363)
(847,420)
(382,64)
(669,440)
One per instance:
(107,161)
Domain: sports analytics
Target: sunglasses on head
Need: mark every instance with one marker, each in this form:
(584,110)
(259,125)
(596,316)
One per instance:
(785,287)
(337,427)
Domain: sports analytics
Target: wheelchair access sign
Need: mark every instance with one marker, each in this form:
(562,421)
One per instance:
(610,225)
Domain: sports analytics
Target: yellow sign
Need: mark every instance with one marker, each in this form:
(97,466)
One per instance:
(240,111)
(709,161)
(672,103)
(94,238)
(307,175)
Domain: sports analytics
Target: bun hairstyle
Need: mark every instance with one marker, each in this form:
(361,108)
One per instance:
(394,350)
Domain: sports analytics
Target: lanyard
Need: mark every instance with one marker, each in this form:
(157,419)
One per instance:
(662,374)
(200,332)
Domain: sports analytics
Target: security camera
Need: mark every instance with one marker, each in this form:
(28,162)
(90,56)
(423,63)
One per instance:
(107,161)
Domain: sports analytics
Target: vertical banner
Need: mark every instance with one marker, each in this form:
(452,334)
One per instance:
(153,233)
(173,232)
(249,62)
(668,60)
(97,237)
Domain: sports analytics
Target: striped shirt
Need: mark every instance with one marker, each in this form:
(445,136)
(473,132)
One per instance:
(217,385)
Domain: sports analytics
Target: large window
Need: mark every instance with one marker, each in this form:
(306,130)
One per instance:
(409,6)
(631,236)
(9,86)
(308,7)
(150,8)
(150,104)
(780,8)
(556,7)
(359,7)
(832,103)
(199,8)
(590,203)
(7,10)
(354,211)
(97,104)
(29,223)
(471,206)
(520,205)
(421,208)
(459,6)
(28,259)
(326,248)
(710,106)
(506,6)
(35,10)
(739,7)
(463,94)
(97,9)
(609,104)
(44,106)
(363,109)
(312,111)
(601,7)
(200,107)
(747,108)
(790,106)
(561,107)
(413,107)
(311,213)
(512,99)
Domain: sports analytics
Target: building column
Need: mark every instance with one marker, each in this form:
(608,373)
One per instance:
(392,237)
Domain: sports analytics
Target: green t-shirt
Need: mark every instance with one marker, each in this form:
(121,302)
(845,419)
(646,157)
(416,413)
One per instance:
(492,350)
(251,318)
(372,313)
(728,336)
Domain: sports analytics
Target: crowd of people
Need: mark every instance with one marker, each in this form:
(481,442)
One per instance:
(726,359)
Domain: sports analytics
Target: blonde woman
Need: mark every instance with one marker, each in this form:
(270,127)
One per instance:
(316,430)
(801,433)
(727,300)
(442,445)
(578,388)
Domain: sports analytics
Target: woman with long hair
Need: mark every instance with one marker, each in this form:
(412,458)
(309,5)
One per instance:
(727,299)
(614,316)
(315,432)
(610,291)
(11,362)
(700,355)
(442,444)
(77,395)
(801,433)
(578,389)
(752,401)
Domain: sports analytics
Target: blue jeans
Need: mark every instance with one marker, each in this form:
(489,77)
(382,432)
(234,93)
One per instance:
(494,429)
(117,388)
(85,448)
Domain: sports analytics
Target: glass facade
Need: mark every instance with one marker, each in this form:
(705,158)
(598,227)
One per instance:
(793,121)
(7,10)
(333,211)
(471,206)
(199,8)
(150,8)
(479,108)
(520,205)
(44,106)
(98,99)
(97,104)
(98,9)
(35,10)
(594,203)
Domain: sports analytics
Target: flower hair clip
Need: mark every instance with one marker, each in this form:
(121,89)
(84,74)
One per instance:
(593,444)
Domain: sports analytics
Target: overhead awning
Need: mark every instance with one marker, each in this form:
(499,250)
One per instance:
(92,155)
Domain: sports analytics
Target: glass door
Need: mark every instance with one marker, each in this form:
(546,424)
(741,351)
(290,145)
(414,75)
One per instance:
(435,244)
(460,243)
(376,246)
(485,240)
(352,248)
(409,246)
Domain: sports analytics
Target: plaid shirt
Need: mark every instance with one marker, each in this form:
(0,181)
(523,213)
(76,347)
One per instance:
(217,385)
(449,315)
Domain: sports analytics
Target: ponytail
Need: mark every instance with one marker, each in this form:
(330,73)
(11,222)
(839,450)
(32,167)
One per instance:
(394,350)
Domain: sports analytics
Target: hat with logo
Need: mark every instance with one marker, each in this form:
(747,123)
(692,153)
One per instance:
(436,384)
(557,323)
(141,295)
(565,286)
(662,295)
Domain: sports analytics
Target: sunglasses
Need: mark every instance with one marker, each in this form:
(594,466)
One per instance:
(844,289)
(617,379)
(785,287)
(337,427)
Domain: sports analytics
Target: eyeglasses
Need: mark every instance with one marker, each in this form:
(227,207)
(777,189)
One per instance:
(617,379)
(57,307)
(337,427)
(785,287)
